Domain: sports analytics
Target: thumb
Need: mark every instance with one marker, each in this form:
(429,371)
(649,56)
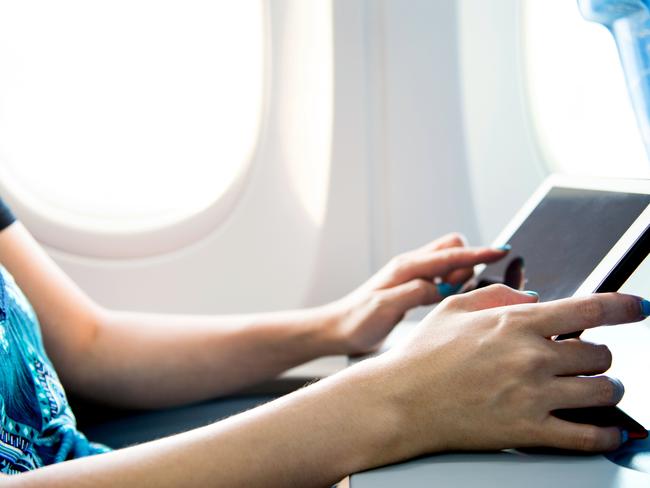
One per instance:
(411,294)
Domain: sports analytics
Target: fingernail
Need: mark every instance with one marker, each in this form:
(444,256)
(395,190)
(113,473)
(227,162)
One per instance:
(532,293)
(505,247)
(645,307)
(620,389)
(624,436)
(447,289)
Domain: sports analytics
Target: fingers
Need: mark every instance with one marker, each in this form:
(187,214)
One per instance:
(459,276)
(580,357)
(419,292)
(580,437)
(585,391)
(441,263)
(411,294)
(490,297)
(576,314)
(453,239)
(448,260)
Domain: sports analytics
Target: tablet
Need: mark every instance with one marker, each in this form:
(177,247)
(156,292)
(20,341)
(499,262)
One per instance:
(577,236)
(629,345)
(570,236)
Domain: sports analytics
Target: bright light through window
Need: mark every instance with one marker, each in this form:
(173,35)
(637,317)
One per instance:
(577,93)
(128,113)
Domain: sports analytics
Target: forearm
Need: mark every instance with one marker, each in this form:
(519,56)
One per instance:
(149,360)
(313,437)
(152,360)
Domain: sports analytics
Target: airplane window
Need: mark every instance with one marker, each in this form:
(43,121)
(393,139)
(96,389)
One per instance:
(128,113)
(581,112)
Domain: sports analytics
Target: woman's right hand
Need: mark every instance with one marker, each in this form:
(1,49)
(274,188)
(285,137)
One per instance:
(482,372)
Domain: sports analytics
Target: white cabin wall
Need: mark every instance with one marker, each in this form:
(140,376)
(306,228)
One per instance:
(421,184)
(398,109)
(505,161)
(427,134)
(263,256)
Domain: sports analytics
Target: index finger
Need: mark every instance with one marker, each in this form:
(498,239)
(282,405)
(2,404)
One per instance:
(453,239)
(442,262)
(575,314)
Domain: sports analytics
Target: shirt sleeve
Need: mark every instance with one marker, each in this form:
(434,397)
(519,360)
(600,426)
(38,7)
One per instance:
(6,215)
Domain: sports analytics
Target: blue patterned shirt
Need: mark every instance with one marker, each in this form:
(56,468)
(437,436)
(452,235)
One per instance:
(37,426)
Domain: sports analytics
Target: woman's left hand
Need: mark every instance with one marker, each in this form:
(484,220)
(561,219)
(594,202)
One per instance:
(420,277)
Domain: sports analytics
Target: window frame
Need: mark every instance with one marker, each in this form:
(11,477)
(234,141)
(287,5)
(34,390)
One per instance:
(556,160)
(70,236)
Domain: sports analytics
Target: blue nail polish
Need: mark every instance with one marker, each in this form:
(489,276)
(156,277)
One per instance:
(624,436)
(447,289)
(532,293)
(505,247)
(645,307)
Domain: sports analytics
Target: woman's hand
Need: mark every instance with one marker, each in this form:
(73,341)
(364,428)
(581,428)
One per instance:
(482,372)
(420,277)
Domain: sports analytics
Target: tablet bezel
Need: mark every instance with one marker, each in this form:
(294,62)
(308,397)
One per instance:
(622,246)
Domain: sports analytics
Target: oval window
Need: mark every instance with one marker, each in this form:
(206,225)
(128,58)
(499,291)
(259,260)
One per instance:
(581,111)
(129,114)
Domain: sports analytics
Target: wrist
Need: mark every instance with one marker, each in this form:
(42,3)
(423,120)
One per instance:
(327,324)
(413,428)
(369,430)
(392,424)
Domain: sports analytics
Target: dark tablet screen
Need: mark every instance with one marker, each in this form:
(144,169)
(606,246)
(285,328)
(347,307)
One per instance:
(563,240)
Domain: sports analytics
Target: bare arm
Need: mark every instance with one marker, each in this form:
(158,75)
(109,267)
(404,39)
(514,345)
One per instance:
(152,360)
(399,405)
(155,360)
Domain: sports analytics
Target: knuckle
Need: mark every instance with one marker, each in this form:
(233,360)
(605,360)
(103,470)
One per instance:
(507,319)
(529,360)
(454,302)
(455,253)
(397,265)
(589,439)
(535,360)
(378,301)
(499,289)
(604,357)
(456,238)
(526,396)
(421,288)
(503,322)
(605,391)
(382,307)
